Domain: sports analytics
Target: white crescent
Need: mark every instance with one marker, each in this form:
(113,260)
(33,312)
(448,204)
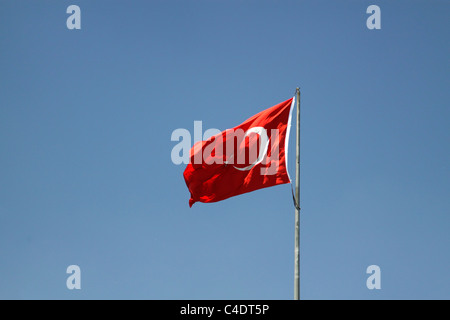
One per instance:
(263,146)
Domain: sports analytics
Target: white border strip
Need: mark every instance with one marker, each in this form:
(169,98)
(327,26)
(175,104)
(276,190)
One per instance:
(286,141)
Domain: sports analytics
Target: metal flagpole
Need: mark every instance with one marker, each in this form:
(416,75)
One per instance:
(297,204)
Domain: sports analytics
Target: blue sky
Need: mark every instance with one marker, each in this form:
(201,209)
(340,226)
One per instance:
(86,176)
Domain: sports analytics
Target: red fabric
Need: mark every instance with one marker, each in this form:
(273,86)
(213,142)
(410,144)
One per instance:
(216,182)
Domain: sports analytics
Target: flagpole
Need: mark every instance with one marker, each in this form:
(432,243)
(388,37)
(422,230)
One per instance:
(297,209)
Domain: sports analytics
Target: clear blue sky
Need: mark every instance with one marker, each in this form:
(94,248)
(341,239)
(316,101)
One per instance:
(86,176)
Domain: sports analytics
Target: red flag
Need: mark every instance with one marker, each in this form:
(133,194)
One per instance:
(248,157)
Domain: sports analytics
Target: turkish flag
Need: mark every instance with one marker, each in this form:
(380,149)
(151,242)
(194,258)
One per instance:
(245,158)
